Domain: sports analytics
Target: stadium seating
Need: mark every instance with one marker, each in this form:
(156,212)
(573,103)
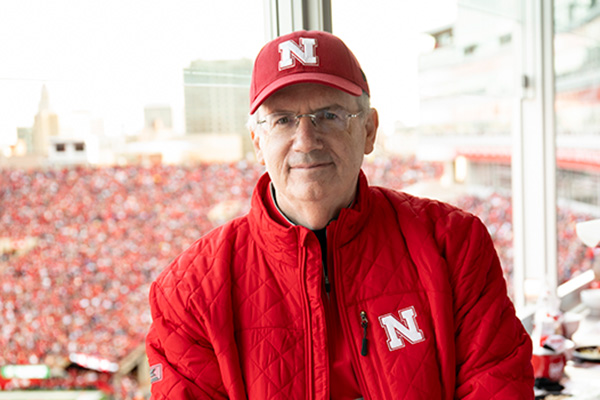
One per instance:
(80,246)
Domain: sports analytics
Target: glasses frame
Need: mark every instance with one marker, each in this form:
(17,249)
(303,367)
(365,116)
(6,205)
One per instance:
(313,118)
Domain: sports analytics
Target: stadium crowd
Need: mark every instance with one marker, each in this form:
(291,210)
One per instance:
(79,246)
(495,210)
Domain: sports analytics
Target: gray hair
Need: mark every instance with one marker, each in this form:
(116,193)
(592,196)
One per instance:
(363,101)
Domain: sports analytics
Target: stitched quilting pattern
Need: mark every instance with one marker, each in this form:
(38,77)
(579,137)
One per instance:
(239,314)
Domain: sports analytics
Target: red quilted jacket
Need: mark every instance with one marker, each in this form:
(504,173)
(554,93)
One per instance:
(240,314)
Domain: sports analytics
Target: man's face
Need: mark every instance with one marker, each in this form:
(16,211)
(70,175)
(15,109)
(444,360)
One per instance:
(309,165)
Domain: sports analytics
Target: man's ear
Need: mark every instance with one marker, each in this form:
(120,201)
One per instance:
(371,125)
(256,144)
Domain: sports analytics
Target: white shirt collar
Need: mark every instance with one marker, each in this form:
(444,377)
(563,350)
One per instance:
(274,198)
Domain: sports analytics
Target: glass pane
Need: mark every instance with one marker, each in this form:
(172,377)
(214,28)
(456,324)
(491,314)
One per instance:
(103,179)
(442,75)
(109,69)
(577,80)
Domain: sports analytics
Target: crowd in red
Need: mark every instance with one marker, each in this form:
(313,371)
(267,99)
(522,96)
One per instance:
(84,245)
(81,246)
(495,210)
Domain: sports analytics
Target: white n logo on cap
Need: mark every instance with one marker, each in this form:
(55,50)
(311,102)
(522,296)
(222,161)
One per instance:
(396,330)
(305,53)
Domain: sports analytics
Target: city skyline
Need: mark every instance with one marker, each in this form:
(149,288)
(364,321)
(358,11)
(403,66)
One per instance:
(112,59)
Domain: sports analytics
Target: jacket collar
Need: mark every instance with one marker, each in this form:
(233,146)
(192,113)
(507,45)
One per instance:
(282,239)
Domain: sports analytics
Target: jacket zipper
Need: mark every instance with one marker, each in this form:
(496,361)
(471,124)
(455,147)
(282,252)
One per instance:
(364,322)
(307,316)
(345,322)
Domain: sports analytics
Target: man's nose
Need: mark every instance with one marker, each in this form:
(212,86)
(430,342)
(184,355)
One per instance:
(307,137)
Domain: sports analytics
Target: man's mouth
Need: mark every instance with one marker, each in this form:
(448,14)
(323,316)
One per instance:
(311,165)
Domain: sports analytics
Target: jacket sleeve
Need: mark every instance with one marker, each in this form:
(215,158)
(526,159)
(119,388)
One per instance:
(493,350)
(182,362)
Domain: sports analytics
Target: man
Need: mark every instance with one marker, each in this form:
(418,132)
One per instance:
(331,288)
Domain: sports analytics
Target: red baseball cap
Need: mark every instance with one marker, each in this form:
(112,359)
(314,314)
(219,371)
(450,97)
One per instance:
(305,57)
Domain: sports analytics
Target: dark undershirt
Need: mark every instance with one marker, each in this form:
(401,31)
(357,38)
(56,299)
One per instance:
(322,236)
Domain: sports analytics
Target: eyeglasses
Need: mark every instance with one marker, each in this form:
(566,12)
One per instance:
(323,120)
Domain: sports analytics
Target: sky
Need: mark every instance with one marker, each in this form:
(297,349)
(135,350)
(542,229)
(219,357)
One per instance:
(387,37)
(112,58)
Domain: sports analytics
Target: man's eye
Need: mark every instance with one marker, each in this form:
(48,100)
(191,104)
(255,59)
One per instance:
(330,115)
(282,120)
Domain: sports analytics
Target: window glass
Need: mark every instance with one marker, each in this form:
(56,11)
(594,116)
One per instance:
(577,86)
(105,174)
(446,78)
(442,75)
(104,69)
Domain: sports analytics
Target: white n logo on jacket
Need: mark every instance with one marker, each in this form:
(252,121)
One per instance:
(305,53)
(405,328)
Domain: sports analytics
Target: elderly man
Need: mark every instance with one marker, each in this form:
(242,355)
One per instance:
(330,288)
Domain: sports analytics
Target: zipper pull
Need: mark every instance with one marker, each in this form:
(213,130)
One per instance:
(364,323)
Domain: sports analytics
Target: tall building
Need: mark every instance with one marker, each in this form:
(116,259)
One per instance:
(216,96)
(45,126)
(25,136)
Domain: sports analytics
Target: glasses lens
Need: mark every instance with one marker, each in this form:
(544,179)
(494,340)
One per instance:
(323,120)
(281,123)
(331,120)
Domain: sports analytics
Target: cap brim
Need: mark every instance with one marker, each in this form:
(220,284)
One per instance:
(306,77)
